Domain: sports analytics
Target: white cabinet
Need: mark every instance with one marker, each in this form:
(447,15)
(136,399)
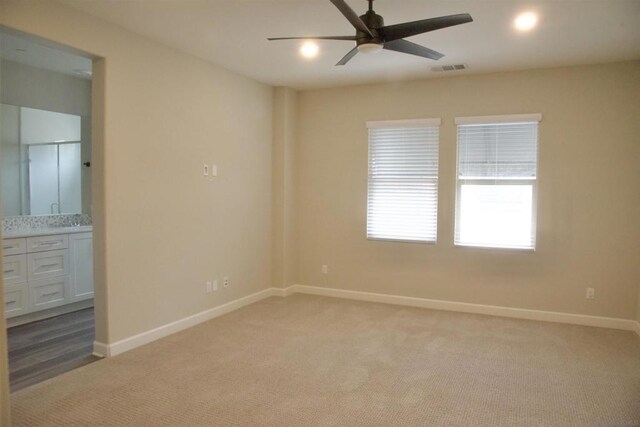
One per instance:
(14,246)
(14,269)
(16,299)
(43,272)
(47,243)
(49,293)
(81,263)
(43,265)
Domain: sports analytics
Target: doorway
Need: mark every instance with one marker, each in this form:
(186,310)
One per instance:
(47,173)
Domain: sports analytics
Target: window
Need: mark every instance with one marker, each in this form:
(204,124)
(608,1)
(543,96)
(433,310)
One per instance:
(496,181)
(403,180)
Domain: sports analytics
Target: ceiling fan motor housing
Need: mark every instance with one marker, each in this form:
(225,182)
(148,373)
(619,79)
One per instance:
(374,22)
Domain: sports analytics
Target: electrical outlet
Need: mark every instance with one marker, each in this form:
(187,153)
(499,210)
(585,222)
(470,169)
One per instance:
(208,287)
(225,282)
(325,269)
(215,285)
(591,293)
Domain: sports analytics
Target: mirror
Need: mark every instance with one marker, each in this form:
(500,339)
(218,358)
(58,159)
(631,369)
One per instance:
(45,127)
(42,162)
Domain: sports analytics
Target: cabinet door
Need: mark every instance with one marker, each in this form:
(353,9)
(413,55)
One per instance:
(49,293)
(14,246)
(16,300)
(81,264)
(14,269)
(42,265)
(47,243)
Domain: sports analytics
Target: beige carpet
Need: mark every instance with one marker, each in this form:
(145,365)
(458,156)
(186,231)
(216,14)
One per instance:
(306,360)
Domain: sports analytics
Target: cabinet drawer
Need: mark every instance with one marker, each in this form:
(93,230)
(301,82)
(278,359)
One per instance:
(47,264)
(14,246)
(47,293)
(14,269)
(47,243)
(16,300)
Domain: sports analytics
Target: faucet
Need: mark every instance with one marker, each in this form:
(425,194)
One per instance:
(56,204)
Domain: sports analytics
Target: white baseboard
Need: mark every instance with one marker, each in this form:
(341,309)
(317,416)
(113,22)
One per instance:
(100,349)
(518,313)
(108,350)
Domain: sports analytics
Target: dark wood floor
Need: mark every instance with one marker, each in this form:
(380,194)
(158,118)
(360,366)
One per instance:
(50,347)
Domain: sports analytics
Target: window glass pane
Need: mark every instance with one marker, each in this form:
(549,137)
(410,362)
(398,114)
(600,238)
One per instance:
(496,215)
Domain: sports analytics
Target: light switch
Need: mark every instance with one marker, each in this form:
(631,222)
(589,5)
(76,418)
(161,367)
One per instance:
(214,169)
(205,170)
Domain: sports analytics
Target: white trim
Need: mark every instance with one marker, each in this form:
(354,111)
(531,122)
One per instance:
(416,123)
(100,349)
(108,350)
(510,118)
(492,310)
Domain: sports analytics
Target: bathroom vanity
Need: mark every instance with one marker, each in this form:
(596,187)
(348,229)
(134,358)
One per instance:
(47,267)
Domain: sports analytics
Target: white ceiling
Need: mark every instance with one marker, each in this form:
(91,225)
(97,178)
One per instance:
(232,33)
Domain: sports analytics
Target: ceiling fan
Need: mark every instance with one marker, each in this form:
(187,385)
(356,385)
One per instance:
(373,36)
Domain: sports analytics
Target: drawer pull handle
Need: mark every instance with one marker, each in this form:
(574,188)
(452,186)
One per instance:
(8,271)
(54,242)
(49,265)
(50,294)
(10,302)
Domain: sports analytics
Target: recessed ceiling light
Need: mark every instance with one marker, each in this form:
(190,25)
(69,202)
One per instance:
(309,49)
(525,21)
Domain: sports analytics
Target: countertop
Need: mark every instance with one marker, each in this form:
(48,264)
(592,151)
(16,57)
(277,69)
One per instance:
(46,231)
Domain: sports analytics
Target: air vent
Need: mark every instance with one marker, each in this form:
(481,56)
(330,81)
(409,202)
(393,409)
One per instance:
(455,67)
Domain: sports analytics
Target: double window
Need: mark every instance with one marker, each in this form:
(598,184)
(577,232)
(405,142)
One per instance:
(496,181)
(402,201)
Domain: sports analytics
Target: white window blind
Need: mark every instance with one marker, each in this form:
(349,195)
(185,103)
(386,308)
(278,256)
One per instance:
(403,180)
(496,182)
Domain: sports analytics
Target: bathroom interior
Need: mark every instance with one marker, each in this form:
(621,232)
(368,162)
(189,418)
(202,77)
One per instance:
(45,173)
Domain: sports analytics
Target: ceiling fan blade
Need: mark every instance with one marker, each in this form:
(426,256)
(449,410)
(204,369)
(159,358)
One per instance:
(352,38)
(408,29)
(405,46)
(348,56)
(351,16)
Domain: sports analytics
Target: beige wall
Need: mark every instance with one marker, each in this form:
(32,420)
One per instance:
(588,200)
(167,229)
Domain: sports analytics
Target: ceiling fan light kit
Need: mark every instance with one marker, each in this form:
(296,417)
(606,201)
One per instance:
(370,47)
(372,35)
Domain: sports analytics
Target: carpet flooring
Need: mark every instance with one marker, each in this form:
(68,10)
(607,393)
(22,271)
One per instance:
(316,361)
